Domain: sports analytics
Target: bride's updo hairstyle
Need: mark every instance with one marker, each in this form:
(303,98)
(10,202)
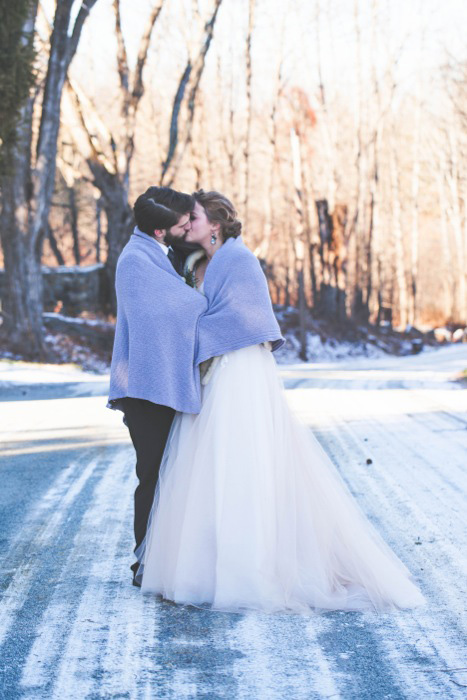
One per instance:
(220,210)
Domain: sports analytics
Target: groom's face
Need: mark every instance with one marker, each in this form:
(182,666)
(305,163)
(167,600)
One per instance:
(179,231)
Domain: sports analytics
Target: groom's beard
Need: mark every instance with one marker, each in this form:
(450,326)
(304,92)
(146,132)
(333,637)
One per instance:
(170,239)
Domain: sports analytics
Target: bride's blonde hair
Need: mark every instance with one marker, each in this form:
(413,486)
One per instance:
(220,210)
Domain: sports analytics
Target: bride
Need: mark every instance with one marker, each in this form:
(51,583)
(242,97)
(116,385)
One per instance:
(249,511)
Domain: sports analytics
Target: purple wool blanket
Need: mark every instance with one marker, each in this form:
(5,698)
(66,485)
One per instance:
(156,331)
(239,310)
(165,329)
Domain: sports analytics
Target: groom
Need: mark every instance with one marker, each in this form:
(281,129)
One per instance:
(152,372)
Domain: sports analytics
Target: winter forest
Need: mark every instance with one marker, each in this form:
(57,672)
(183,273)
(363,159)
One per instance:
(337,127)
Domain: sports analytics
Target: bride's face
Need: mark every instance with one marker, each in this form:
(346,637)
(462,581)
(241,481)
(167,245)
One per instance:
(201,228)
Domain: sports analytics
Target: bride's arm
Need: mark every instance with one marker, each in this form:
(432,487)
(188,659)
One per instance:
(207,368)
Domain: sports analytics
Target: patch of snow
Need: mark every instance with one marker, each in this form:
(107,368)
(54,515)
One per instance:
(76,321)
(66,269)
(35,373)
(330,351)
(446,360)
(18,589)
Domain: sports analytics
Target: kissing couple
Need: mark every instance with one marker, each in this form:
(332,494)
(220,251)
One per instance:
(237,507)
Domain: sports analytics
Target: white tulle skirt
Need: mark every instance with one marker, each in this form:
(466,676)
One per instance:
(250,513)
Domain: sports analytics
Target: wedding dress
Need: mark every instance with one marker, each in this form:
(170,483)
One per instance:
(250,513)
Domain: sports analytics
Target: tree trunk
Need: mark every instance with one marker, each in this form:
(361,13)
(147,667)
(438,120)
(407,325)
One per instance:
(54,246)
(27,192)
(398,236)
(299,247)
(62,49)
(374,232)
(74,225)
(119,220)
(302,312)
(22,305)
(359,304)
(246,150)
(414,232)
(455,217)
(185,102)
(271,172)
(447,276)
(98,228)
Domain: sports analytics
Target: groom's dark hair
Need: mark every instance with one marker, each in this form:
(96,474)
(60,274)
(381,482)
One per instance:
(161,208)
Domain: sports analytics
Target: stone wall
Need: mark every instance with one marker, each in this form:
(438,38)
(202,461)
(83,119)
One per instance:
(71,290)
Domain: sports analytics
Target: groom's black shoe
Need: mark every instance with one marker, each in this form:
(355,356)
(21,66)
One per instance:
(134,567)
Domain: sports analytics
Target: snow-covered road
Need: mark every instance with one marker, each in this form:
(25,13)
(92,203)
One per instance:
(72,626)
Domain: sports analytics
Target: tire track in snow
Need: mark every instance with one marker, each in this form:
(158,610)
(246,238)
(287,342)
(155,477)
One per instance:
(39,531)
(379,493)
(381,496)
(76,671)
(281,658)
(419,489)
(102,522)
(97,636)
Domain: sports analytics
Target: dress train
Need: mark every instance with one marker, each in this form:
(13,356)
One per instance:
(250,512)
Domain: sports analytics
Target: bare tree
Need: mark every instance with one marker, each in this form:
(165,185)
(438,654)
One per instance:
(249,75)
(109,152)
(299,238)
(358,227)
(355,210)
(271,174)
(184,104)
(401,276)
(27,192)
(455,217)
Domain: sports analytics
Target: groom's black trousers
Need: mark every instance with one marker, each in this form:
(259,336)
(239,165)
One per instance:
(149,426)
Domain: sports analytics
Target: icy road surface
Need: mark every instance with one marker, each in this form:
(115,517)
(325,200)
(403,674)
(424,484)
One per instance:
(72,626)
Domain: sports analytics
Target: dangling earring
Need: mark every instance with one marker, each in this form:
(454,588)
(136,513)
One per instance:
(213,239)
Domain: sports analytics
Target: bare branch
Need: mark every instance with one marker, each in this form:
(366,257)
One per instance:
(246,148)
(198,65)
(173,137)
(138,87)
(190,80)
(122,58)
(94,129)
(83,13)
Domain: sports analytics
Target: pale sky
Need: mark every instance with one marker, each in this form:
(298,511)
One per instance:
(422,33)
